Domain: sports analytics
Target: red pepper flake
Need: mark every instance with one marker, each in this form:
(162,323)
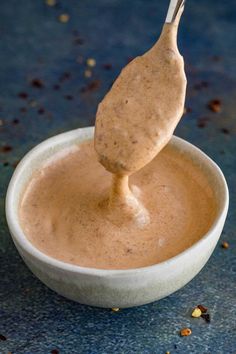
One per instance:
(5,148)
(206,317)
(15,121)
(23,95)
(55,351)
(215,105)
(37,83)
(56,87)
(69,97)
(2,337)
(185,332)
(225,245)
(225,131)
(202,308)
(107,66)
(92,86)
(41,110)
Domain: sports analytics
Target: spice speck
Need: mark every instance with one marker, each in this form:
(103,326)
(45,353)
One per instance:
(196,312)
(206,317)
(54,351)
(91,62)
(87,73)
(225,245)
(115,309)
(185,332)
(2,337)
(202,308)
(215,105)
(50,2)
(5,148)
(64,18)
(37,83)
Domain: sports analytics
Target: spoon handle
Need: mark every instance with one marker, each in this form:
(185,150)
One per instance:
(174,8)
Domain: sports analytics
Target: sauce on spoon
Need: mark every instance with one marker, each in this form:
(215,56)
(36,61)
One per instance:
(137,117)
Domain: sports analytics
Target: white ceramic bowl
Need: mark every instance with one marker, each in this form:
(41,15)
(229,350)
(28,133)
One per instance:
(113,288)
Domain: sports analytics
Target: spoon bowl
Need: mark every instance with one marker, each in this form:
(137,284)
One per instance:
(113,288)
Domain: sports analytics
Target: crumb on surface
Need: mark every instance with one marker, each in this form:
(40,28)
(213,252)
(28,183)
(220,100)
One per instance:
(185,332)
(91,62)
(37,83)
(50,2)
(202,308)
(115,309)
(64,18)
(196,312)
(225,245)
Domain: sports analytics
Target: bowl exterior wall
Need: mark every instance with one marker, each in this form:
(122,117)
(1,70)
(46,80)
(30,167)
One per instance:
(122,291)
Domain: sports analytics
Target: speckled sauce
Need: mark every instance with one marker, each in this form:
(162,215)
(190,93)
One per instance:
(137,117)
(64,210)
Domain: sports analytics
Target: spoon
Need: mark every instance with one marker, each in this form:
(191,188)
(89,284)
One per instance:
(137,117)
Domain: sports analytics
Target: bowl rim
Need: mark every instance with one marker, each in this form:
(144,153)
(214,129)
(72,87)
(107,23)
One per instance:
(21,239)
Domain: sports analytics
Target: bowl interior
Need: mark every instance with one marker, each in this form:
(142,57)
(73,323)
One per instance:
(34,160)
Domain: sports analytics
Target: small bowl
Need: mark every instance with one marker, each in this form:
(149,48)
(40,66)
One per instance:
(113,288)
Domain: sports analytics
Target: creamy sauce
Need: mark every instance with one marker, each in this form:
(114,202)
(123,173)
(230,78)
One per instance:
(76,211)
(137,117)
(63,211)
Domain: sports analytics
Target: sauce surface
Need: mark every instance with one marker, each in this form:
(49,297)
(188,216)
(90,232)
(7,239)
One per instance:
(63,211)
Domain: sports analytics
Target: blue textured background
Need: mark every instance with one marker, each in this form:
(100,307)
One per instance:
(34,44)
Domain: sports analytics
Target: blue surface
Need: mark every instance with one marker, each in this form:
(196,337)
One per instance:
(34,44)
